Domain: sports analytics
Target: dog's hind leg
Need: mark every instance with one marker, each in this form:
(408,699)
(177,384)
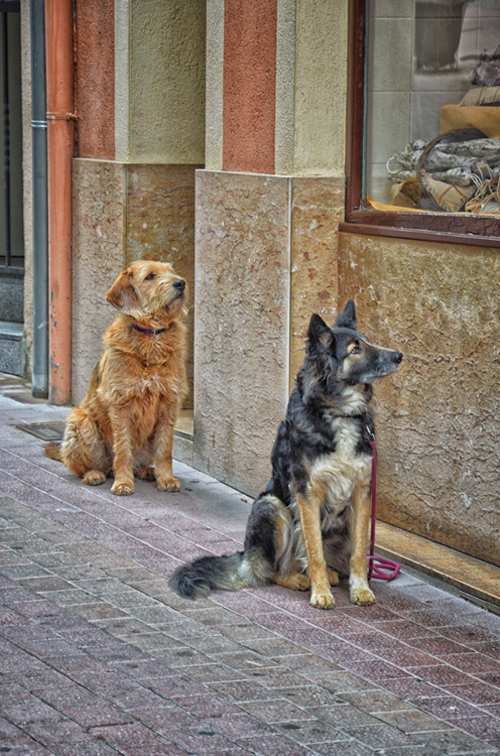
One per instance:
(286,573)
(297,581)
(143,466)
(84,450)
(360,592)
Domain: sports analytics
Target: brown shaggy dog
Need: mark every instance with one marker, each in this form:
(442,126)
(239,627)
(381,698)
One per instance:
(125,423)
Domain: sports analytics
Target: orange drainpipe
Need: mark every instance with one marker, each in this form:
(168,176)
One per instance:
(60,150)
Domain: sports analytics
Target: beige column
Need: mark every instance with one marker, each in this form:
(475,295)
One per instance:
(266,244)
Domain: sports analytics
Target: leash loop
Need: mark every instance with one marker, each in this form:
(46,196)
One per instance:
(378,567)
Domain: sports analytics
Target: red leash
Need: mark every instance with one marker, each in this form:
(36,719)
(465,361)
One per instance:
(378,567)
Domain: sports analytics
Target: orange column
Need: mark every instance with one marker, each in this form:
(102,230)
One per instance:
(249,85)
(60,148)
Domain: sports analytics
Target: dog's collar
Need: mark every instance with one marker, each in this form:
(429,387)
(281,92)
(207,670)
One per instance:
(148,331)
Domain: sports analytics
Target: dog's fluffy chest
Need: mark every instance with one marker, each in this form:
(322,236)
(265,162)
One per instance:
(334,476)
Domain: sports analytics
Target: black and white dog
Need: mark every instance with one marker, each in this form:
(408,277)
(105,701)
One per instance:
(311,522)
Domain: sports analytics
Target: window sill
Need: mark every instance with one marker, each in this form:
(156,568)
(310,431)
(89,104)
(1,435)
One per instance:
(432,227)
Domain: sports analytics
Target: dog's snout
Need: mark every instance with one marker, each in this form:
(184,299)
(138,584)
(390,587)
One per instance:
(398,356)
(180,285)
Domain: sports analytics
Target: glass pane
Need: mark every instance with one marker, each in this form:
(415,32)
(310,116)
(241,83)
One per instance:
(433,68)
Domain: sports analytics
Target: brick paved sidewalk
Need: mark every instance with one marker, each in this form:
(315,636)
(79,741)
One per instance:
(99,657)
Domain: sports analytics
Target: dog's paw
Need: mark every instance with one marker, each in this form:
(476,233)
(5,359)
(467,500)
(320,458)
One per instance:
(94,478)
(146,473)
(322,600)
(169,484)
(122,489)
(333,577)
(362,596)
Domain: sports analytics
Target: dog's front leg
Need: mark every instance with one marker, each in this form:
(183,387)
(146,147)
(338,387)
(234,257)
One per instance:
(164,438)
(123,466)
(360,593)
(321,595)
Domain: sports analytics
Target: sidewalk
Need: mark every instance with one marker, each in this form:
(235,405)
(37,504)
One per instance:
(99,657)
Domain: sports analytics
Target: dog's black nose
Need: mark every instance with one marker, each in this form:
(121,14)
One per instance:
(398,356)
(179,284)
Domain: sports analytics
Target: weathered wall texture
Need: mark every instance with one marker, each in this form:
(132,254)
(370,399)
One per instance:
(98,232)
(438,432)
(241,338)
(317,209)
(160,226)
(249,85)
(160,81)
(95,78)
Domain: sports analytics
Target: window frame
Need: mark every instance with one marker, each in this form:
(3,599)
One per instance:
(441,227)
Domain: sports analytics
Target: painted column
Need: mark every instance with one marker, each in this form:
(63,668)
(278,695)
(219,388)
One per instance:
(268,206)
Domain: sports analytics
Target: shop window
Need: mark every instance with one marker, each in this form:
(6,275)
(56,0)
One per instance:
(424,136)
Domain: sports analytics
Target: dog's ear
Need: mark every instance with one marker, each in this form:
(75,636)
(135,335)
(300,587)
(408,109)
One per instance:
(347,318)
(122,294)
(318,333)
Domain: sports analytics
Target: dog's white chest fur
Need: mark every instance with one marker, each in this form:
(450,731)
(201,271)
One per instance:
(334,476)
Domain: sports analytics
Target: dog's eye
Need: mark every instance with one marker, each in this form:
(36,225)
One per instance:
(356,350)
(150,276)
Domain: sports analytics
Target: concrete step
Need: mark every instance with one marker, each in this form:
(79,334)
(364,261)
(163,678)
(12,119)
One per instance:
(13,357)
(11,299)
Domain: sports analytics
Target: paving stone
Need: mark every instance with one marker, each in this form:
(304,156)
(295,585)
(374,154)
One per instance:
(126,734)
(93,747)
(453,742)
(245,690)
(98,611)
(273,745)
(211,673)
(310,696)
(312,731)
(351,748)
(411,721)
(273,711)
(49,732)
(344,717)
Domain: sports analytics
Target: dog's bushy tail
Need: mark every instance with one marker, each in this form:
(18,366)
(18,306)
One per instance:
(209,573)
(53,451)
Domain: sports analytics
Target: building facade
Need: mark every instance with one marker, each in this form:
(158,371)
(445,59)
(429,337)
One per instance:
(261,147)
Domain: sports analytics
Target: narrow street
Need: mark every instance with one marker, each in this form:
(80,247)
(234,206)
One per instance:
(99,657)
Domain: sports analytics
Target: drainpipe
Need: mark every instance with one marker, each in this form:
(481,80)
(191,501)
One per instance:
(60,145)
(39,376)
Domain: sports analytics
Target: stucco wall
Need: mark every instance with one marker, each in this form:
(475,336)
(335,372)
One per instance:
(249,85)
(160,81)
(438,428)
(320,87)
(95,78)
